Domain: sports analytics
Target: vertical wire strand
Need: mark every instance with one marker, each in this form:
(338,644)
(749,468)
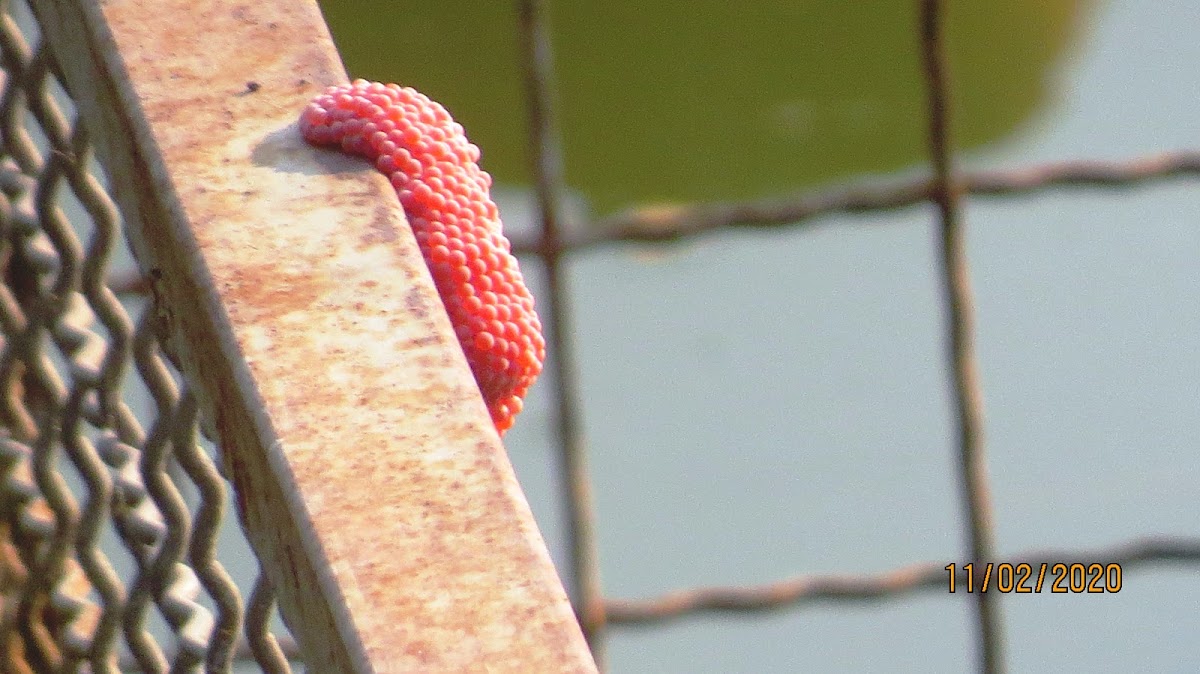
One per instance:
(968,396)
(263,645)
(546,157)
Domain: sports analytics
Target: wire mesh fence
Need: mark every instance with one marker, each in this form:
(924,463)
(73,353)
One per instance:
(112,504)
(112,501)
(946,189)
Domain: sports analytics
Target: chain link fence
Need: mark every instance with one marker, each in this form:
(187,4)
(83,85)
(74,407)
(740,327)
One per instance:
(112,504)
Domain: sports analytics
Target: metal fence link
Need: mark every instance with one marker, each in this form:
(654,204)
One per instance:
(108,523)
(263,644)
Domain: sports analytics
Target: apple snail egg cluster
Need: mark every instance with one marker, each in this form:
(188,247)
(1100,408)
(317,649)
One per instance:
(435,172)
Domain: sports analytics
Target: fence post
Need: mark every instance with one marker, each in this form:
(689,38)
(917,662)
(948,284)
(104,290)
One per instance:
(368,475)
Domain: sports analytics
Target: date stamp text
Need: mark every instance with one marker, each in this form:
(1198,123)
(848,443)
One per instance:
(1023,578)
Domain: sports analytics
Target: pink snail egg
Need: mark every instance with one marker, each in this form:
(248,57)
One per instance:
(432,167)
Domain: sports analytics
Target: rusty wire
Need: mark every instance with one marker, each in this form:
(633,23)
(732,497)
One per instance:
(683,222)
(546,158)
(874,587)
(974,488)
